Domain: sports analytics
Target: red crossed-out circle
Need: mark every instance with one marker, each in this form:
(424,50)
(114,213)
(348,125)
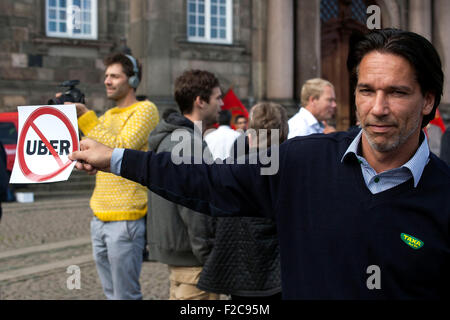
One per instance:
(30,123)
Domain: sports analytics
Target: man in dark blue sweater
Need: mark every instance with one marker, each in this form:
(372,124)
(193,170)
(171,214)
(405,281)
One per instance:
(382,232)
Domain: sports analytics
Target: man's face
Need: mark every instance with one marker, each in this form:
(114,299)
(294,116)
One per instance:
(210,112)
(324,107)
(116,82)
(389,102)
(241,124)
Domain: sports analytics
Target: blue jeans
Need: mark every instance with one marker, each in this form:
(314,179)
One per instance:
(118,250)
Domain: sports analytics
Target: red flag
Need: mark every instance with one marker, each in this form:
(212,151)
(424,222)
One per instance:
(231,102)
(437,121)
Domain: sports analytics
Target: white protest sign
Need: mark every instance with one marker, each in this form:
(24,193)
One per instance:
(47,135)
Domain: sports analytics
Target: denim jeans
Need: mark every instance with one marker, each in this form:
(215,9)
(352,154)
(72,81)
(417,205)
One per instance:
(118,250)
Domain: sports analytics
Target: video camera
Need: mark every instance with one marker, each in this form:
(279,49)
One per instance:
(70,95)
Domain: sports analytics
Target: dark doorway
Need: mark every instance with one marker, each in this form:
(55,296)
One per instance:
(339,20)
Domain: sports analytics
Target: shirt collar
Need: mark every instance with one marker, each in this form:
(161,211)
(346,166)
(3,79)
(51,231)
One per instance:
(353,147)
(308,116)
(416,164)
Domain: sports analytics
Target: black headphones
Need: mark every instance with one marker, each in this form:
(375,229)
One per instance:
(133,81)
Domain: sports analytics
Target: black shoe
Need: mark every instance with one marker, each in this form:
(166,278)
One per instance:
(145,254)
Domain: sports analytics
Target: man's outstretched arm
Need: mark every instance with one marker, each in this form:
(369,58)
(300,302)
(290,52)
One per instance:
(92,157)
(216,189)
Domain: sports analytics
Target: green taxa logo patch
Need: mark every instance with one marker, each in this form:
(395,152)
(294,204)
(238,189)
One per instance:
(411,241)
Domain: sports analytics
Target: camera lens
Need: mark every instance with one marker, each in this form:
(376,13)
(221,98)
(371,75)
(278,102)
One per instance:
(54,101)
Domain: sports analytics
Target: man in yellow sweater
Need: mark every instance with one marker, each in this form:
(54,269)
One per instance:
(119,205)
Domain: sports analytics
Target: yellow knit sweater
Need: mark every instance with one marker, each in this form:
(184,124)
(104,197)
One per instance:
(114,197)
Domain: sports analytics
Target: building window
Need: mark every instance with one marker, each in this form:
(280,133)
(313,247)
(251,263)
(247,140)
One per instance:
(359,11)
(329,9)
(209,21)
(71,19)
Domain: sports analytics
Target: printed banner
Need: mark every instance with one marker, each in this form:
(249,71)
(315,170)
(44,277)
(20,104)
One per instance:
(47,135)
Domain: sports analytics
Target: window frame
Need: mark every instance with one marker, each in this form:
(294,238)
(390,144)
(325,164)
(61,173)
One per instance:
(69,33)
(207,37)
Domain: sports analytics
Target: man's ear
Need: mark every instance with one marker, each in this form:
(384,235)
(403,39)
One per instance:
(199,102)
(311,99)
(429,103)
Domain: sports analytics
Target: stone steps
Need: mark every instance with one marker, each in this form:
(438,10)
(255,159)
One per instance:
(78,184)
(15,264)
(60,194)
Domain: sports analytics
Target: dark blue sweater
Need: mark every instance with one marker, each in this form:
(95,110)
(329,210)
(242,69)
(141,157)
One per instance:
(331,228)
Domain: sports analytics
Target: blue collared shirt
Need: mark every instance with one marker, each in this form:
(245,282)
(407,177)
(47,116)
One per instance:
(116,160)
(375,182)
(379,182)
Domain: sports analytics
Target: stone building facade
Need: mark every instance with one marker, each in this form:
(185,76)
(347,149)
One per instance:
(276,46)
(33,65)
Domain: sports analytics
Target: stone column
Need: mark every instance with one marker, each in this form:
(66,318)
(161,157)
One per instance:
(259,47)
(420,17)
(136,10)
(441,30)
(307,43)
(150,29)
(280,49)
(136,26)
(135,37)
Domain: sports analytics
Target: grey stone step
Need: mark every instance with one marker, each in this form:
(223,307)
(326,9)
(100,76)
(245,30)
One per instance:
(79,185)
(15,264)
(42,269)
(46,205)
(60,194)
(45,247)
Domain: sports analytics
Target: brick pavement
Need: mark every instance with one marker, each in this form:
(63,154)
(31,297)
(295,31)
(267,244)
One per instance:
(29,224)
(53,221)
(39,240)
(53,286)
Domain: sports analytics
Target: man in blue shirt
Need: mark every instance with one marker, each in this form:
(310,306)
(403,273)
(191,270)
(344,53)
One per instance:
(383,230)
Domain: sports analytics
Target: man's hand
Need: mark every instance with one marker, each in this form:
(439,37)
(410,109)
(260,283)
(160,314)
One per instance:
(81,108)
(328,128)
(93,156)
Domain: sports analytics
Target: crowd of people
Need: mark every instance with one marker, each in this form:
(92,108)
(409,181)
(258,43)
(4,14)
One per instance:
(361,214)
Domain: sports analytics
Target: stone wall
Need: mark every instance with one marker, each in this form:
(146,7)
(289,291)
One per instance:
(33,65)
(166,53)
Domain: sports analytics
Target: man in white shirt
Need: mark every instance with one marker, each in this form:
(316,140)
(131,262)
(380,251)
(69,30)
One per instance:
(240,122)
(319,101)
(221,140)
